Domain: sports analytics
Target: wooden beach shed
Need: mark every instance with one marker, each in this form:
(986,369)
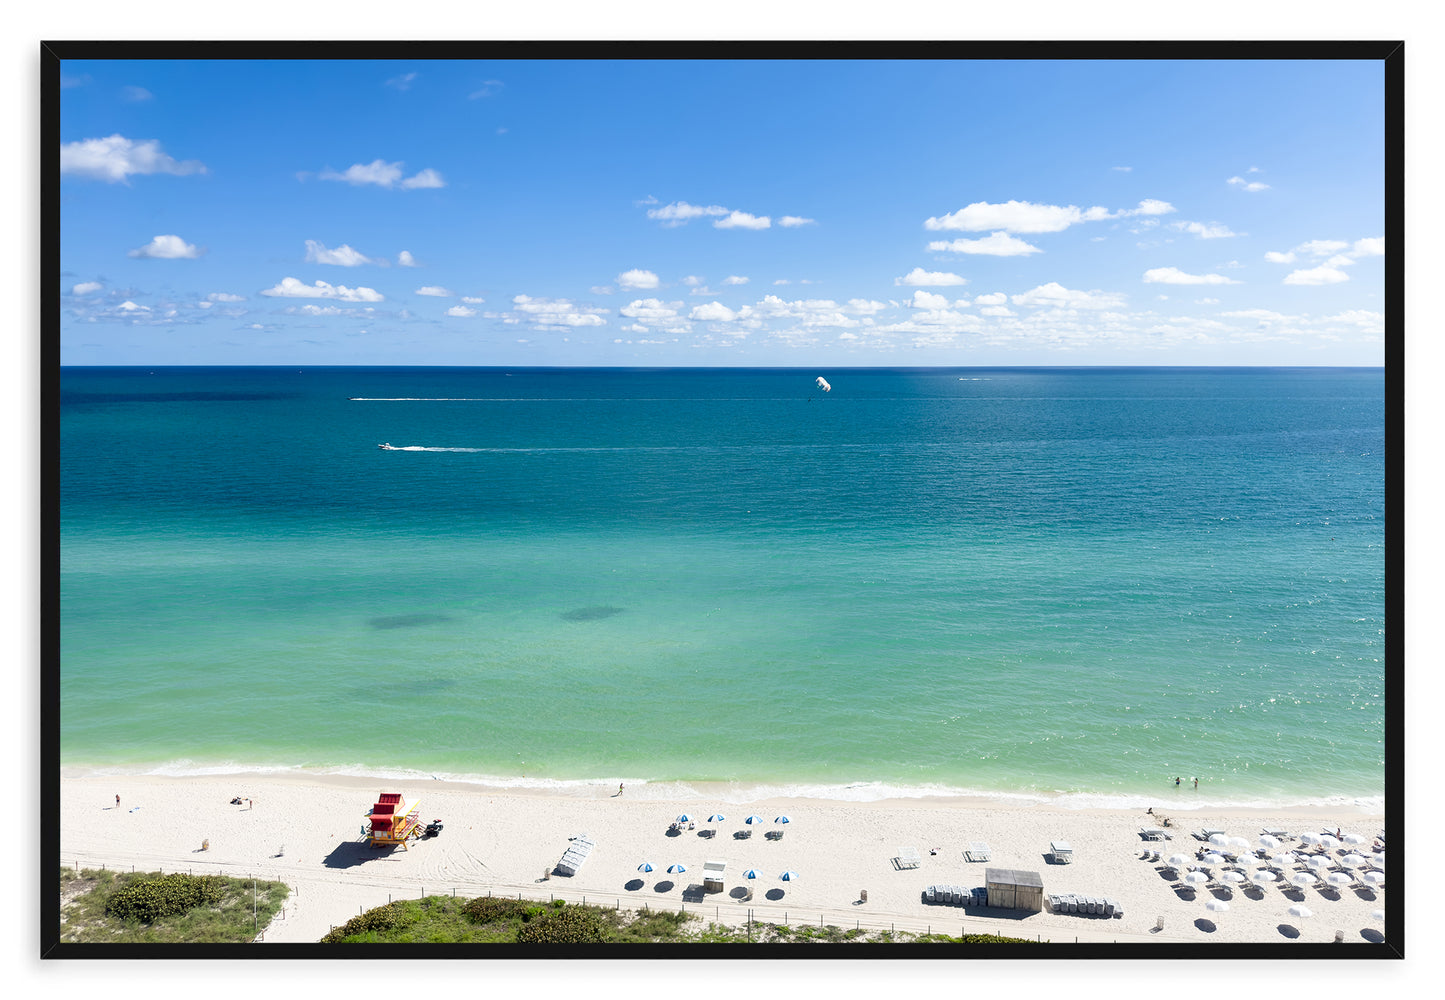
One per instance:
(1012,889)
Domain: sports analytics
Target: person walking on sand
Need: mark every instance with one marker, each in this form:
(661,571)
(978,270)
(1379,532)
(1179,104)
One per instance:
(117,801)
(619,788)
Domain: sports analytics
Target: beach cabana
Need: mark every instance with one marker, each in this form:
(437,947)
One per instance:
(391,821)
(1012,889)
(712,875)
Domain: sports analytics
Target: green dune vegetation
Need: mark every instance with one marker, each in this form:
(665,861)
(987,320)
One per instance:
(106,907)
(489,919)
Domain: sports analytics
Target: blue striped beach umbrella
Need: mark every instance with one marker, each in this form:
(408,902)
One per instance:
(676,869)
(684,818)
(716,818)
(644,867)
(750,873)
(782,819)
(753,819)
(789,876)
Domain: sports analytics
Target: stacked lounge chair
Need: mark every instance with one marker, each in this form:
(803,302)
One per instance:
(978,851)
(1093,906)
(574,856)
(954,895)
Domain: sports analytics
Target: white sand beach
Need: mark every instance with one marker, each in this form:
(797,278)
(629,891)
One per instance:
(305,830)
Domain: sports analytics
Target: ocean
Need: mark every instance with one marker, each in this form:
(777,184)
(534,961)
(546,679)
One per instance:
(1074,585)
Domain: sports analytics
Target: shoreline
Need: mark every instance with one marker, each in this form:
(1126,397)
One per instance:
(305,830)
(1180,799)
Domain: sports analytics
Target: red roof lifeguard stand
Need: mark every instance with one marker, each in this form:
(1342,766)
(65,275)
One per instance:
(392,821)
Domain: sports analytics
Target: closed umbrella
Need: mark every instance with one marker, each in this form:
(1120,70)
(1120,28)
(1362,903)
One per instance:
(1300,910)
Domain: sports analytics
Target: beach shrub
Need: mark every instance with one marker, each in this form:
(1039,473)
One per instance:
(148,899)
(490,909)
(390,917)
(564,925)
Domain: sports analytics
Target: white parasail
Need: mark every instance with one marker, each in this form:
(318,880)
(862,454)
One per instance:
(823,384)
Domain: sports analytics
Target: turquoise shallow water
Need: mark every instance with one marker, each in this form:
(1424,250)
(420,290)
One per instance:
(1054,582)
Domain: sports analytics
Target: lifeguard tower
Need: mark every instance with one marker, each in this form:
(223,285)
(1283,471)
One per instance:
(392,821)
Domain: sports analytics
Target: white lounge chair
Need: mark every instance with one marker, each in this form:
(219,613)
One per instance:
(908,857)
(1062,852)
(978,851)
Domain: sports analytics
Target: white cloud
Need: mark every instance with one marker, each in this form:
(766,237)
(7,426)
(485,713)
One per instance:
(1205,231)
(472,300)
(342,256)
(488,88)
(1240,182)
(1122,169)
(1275,257)
(1149,206)
(557,312)
(918,276)
(793,221)
(225,297)
(637,278)
(734,279)
(1056,295)
(991,299)
(866,307)
(997,311)
(86,288)
(999,244)
(680,212)
(1322,275)
(166,248)
(427,178)
(651,311)
(402,82)
(1014,216)
(1174,276)
(135,94)
(436,290)
(115,158)
(692,281)
(1322,248)
(712,312)
(1374,246)
(742,220)
(405,259)
(461,311)
(292,288)
(383,174)
(1364,318)
(931,300)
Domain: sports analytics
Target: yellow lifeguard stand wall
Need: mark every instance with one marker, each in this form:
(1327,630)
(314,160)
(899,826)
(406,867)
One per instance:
(392,822)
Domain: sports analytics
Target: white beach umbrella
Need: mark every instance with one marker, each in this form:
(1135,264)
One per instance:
(1263,877)
(1214,859)
(716,818)
(1219,840)
(1353,861)
(644,867)
(1354,839)
(1320,863)
(1269,842)
(1232,877)
(1339,878)
(782,819)
(750,873)
(1304,879)
(1217,905)
(789,876)
(753,820)
(1196,878)
(1283,858)
(1239,842)
(1328,843)
(1374,878)
(1309,838)
(1378,915)
(1176,860)
(1300,910)
(676,869)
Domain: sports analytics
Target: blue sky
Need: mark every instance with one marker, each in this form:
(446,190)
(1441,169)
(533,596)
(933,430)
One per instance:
(556,212)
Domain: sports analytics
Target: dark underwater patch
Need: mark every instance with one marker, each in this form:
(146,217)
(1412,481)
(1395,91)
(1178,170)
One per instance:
(591,613)
(406,621)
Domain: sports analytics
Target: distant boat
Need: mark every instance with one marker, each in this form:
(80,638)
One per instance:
(388,447)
